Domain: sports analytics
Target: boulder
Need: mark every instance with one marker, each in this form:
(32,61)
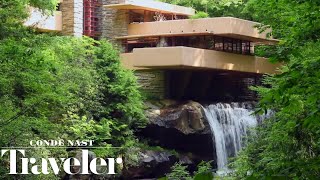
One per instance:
(153,164)
(187,117)
(181,126)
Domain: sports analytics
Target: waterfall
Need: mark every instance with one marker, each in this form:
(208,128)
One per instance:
(229,125)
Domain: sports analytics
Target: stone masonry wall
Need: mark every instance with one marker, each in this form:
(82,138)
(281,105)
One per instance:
(152,82)
(72,19)
(114,23)
(67,7)
(245,92)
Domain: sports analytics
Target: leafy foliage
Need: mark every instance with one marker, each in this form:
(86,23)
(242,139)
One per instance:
(295,22)
(59,87)
(287,145)
(199,15)
(204,171)
(50,83)
(216,8)
(14,12)
(179,171)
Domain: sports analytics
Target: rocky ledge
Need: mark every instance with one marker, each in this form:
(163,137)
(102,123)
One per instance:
(187,117)
(154,164)
(178,126)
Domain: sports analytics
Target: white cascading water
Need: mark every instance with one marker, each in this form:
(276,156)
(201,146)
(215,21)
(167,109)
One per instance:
(229,125)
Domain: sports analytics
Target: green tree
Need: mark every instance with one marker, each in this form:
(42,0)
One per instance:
(179,171)
(287,145)
(295,22)
(60,87)
(216,8)
(14,12)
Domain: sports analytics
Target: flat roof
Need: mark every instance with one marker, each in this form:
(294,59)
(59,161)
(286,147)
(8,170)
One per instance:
(151,5)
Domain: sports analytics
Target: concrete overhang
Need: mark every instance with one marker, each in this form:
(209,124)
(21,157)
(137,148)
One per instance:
(220,26)
(193,58)
(43,22)
(151,5)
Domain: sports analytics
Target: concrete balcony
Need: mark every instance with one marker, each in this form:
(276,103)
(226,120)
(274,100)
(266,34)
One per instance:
(43,22)
(220,26)
(193,58)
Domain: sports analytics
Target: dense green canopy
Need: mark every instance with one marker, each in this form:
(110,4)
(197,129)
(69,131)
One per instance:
(289,143)
(215,8)
(60,87)
(73,88)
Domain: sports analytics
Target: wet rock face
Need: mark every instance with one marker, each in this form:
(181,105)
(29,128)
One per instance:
(151,164)
(181,127)
(188,117)
(199,145)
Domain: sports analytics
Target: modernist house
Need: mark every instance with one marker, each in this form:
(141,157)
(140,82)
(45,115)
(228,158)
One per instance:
(173,56)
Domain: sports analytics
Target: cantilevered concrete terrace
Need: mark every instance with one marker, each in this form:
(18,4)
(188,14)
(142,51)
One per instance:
(220,26)
(194,58)
(242,35)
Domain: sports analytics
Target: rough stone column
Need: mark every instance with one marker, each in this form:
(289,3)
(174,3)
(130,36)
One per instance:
(67,7)
(72,17)
(114,23)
